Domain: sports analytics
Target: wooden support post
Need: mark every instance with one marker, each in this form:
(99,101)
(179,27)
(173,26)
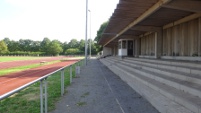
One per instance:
(114,50)
(137,47)
(199,36)
(158,43)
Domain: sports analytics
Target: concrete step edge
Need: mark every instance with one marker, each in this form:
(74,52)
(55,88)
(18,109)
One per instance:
(159,101)
(189,101)
(171,73)
(182,68)
(176,83)
(182,63)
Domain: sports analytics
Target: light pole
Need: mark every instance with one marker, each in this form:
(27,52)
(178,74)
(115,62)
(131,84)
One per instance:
(90,36)
(86,33)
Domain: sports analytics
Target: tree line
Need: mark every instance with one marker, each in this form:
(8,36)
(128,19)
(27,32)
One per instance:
(46,47)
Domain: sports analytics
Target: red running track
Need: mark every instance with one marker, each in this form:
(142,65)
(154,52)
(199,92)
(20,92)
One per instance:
(5,65)
(15,80)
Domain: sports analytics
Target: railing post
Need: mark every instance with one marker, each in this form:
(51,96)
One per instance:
(62,82)
(45,95)
(71,74)
(78,63)
(81,63)
(75,68)
(41,96)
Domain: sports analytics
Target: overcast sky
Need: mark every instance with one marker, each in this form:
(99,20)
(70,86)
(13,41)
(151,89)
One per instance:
(55,19)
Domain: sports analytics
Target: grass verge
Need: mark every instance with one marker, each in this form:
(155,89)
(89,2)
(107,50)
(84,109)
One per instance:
(6,59)
(22,68)
(28,100)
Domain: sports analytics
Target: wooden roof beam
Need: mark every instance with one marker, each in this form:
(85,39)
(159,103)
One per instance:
(185,19)
(146,28)
(150,11)
(185,5)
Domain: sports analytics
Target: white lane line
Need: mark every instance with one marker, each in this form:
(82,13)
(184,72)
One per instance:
(14,78)
(112,91)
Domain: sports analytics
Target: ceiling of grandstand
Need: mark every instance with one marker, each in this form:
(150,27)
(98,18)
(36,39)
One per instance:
(132,18)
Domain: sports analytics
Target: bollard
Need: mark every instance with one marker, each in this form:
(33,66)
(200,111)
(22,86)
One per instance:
(77,70)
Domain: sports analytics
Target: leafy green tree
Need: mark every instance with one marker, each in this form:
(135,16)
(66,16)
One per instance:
(6,40)
(73,43)
(82,46)
(35,46)
(65,46)
(45,44)
(54,48)
(3,47)
(72,51)
(100,31)
(14,46)
(25,44)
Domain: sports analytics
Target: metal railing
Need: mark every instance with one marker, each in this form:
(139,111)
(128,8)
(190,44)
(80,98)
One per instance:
(43,86)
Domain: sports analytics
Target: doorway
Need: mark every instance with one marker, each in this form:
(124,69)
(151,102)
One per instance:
(130,48)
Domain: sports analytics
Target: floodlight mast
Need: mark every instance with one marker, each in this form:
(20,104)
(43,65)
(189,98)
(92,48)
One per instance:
(86,33)
(90,36)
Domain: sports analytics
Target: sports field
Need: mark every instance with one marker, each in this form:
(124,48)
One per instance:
(21,70)
(28,100)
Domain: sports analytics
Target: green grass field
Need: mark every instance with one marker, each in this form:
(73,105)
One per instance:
(6,59)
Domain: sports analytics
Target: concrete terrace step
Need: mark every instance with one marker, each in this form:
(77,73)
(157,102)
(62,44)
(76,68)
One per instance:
(166,61)
(159,101)
(114,58)
(194,78)
(192,88)
(177,66)
(180,87)
(193,64)
(187,100)
(112,61)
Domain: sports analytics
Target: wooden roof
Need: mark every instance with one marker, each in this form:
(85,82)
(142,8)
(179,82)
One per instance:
(135,17)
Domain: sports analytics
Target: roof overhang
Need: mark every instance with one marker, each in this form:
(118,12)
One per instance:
(135,17)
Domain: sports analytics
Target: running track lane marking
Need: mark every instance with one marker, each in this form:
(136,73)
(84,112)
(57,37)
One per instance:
(17,77)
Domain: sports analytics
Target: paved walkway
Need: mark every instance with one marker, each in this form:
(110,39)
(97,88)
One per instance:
(98,90)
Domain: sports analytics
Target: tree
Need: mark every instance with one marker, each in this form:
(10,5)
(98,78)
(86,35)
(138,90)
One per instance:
(25,44)
(45,44)
(65,46)
(35,46)
(54,48)
(100,31)
(13,46)
(72,51)
(3,47)
(73,43)
(6,40)
(82,46)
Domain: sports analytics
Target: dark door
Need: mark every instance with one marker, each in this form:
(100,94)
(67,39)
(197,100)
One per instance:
(130,48)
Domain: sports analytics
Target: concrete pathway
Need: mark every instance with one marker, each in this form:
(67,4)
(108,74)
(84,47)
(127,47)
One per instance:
(98,90)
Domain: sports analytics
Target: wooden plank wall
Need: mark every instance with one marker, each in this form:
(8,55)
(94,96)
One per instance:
(183,39)
(148,45)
